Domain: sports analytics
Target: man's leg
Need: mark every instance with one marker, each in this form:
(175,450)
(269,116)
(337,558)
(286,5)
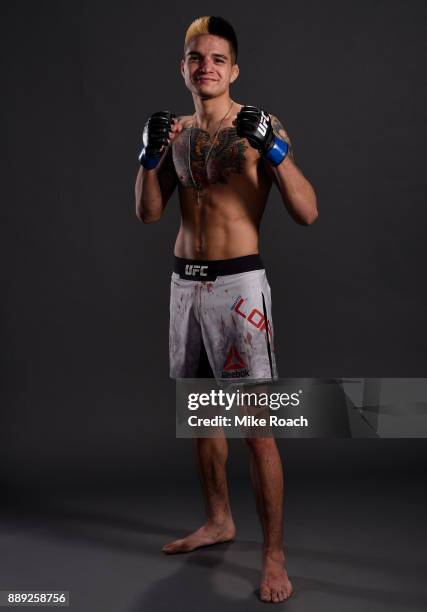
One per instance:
(211,456)
(267,479)
(189,360)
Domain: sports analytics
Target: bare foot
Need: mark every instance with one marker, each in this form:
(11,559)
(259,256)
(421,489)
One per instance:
(275,585)
(209,533)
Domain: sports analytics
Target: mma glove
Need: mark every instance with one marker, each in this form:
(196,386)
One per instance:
(255,124)
(155,137)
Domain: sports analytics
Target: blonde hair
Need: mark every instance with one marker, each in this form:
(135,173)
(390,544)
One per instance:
(197,27)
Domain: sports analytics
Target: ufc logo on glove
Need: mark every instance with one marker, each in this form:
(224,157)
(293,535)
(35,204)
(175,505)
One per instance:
(263,125)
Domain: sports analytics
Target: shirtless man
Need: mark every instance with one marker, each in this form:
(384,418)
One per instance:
(223,159)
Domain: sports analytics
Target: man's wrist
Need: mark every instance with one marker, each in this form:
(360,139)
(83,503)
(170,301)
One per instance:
(149,162)
(277,152)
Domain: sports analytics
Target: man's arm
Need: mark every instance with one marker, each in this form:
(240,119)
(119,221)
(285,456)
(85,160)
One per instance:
(153,188)
(297,193)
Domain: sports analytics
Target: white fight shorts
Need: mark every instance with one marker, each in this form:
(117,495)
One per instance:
(220,313)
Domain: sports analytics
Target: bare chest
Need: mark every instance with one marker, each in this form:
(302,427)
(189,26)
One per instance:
(201,161)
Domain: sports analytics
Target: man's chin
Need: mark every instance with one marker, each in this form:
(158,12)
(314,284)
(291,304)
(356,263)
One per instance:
(205,88)
(207,96)
(206,93)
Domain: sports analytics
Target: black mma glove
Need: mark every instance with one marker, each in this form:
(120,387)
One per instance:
(255,124)
(154,137)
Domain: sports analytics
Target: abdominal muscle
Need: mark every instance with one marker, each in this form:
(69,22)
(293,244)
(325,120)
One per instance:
(222,225)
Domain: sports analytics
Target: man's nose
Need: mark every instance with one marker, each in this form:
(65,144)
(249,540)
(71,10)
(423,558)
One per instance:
(205,64)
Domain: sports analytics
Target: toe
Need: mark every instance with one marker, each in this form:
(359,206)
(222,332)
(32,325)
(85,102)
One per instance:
(265,594)
(275,597)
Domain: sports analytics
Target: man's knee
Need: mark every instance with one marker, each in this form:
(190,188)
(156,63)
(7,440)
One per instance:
(261,445)
(213,444)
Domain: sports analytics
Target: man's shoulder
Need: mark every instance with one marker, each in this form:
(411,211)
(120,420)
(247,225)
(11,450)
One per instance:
(185,120)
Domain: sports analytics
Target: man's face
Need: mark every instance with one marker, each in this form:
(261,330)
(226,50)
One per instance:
(207,66)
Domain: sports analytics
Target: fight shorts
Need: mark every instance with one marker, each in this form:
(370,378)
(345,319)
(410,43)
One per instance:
(220,320)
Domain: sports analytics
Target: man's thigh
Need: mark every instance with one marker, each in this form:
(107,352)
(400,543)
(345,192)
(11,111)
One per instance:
(185,338)
(237,328)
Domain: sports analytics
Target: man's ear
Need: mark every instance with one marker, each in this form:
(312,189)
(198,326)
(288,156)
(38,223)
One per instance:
(234,73)
(182,67)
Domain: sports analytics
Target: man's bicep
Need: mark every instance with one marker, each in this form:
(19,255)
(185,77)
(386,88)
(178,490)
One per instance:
(167,177)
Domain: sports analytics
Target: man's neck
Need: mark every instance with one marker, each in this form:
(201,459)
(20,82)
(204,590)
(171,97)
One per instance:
(209,112)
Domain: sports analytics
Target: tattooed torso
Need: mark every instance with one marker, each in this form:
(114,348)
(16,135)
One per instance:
(200,163)
(223,189)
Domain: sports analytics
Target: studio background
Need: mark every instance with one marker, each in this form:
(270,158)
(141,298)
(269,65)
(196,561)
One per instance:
(86,398)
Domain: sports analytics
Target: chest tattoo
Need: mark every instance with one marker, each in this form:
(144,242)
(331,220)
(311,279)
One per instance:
(226,156)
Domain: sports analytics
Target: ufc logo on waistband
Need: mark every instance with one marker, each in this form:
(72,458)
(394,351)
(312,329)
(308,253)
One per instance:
(263,124)
(192,270)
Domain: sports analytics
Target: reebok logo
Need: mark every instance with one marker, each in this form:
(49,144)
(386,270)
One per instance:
(234,366)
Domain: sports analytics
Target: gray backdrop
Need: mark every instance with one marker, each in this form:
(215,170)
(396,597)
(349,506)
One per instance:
(85,391)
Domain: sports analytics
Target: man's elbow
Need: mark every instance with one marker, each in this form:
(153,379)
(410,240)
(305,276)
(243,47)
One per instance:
(312,213)
(147,218)
(145,215)
(311,217)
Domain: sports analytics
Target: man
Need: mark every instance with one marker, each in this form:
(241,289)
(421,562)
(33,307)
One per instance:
(223,159)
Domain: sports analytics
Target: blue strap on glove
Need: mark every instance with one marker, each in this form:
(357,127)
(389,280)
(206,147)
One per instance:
(147,161)
(278,151)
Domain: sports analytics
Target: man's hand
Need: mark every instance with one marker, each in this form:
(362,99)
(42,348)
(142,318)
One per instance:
(255,124)
(159,130)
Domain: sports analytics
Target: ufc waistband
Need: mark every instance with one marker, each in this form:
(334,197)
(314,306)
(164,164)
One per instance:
(195,269)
